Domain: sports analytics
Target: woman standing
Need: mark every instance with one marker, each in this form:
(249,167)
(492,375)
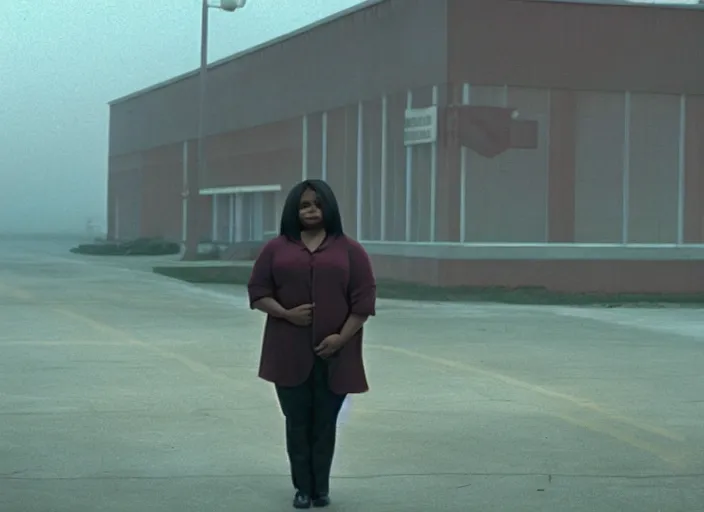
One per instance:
(317,288)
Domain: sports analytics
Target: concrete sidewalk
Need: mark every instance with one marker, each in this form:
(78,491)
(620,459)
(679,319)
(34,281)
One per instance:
(123,391)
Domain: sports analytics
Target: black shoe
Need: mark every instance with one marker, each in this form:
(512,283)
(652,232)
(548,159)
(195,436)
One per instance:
(321,501)
(301,500)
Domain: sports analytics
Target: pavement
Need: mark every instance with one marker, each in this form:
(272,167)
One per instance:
(124,391)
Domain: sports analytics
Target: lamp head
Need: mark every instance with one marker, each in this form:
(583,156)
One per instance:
(232,5)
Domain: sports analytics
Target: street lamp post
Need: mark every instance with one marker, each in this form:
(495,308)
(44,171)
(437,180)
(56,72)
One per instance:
(193,178)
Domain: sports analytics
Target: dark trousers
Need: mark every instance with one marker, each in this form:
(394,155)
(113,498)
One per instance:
(311,411)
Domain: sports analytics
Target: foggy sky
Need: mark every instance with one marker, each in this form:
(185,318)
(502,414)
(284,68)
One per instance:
(62,61)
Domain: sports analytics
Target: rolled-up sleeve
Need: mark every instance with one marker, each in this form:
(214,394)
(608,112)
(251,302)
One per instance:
(261,282)
(362,285)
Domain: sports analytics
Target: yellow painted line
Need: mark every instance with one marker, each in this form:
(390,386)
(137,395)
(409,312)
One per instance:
(109,295)
(15,292)
(124,337)
(675,458)
(191,364)
(594,425)
(53,343)
(579,402)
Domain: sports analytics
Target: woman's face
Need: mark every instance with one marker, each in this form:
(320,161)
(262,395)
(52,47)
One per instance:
(309,211)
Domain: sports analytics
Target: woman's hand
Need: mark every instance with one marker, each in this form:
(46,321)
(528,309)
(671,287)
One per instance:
(329,346)
(302,315)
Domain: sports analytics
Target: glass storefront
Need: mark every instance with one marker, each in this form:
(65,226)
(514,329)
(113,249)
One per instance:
(243,217)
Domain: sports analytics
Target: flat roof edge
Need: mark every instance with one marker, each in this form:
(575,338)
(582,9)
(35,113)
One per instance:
(625,3)
(284,37)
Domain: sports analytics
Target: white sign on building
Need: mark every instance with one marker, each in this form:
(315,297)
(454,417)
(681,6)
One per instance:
(421,126)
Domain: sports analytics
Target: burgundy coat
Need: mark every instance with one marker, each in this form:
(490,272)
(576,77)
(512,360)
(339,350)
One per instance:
(338,279)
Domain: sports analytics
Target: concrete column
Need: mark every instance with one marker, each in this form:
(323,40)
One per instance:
(464,163)
(360,170)
(324,151)
(384,164)
(409,178)
(433,177)
(304,148)
(626,201)
(184,195)
(231,207)
(239,217)
(215,218)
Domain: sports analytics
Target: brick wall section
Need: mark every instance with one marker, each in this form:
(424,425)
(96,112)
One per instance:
(694,171)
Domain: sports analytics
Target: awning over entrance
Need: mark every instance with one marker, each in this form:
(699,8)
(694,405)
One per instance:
(244,189)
